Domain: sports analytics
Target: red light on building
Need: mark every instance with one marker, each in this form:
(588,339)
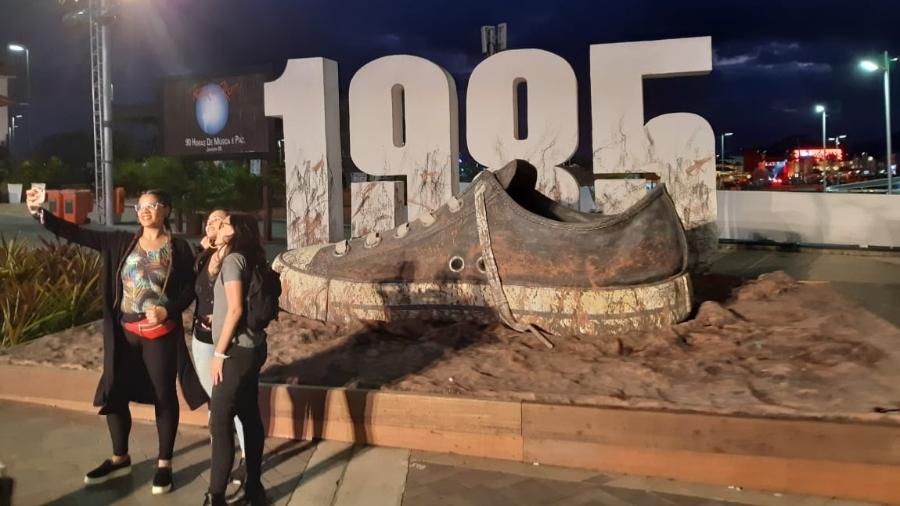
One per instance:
(818,153)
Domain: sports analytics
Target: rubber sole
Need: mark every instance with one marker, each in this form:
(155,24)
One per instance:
(559,310)
(161,490)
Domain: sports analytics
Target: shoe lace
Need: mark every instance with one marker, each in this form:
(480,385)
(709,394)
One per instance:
(496,296)
(373,239)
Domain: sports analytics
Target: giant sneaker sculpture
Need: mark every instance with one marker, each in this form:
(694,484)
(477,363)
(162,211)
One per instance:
(501,250)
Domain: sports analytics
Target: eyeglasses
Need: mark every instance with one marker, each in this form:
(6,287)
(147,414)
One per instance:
(153,206)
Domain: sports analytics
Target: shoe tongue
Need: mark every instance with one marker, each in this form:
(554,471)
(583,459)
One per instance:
(517,175)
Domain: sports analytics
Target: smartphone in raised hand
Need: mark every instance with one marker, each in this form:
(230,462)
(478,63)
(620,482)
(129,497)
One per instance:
(42,192)
(33,199)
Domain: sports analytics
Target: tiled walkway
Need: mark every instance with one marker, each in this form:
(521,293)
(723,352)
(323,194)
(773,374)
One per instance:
(47,451)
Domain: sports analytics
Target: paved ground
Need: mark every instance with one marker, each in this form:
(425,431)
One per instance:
(47,450)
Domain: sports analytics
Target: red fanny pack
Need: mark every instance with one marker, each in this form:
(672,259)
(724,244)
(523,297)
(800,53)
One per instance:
(144,329)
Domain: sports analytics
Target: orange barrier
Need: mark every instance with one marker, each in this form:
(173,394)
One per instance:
(76,205)
(55,202)
(119,202)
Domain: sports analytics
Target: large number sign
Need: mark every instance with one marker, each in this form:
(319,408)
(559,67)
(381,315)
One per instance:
(404,122)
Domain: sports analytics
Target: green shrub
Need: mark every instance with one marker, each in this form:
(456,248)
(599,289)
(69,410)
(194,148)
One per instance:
(39,170)
(46,288)
(228,184)
(157,172)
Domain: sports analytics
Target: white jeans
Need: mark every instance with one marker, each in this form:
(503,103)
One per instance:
(203,354)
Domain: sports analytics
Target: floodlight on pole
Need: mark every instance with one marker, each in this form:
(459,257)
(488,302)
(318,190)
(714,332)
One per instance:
(722,144)
(16,47)
(837,140)
(821,109)
(885,67)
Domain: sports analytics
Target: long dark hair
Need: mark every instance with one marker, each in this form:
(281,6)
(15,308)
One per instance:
(164,198)
(246,240)
(204,255)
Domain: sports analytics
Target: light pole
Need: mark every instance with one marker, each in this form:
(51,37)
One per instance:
(20,48)
(722,144)
(871,66)
(821,109)
(837,140)
(12,133)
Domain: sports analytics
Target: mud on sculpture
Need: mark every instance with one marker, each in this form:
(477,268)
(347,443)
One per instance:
(501,250)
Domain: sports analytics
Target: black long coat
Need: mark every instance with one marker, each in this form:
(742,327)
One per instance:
(114,247)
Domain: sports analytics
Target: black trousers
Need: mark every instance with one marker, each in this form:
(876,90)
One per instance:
(142,358)
(237,395)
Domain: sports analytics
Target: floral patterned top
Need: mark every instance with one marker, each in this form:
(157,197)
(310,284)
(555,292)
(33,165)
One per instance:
(143,277)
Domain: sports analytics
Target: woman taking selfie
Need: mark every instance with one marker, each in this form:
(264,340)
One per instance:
(147,282)
(202,348)
(237,359)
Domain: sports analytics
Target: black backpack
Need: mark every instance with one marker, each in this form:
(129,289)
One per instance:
(263,292)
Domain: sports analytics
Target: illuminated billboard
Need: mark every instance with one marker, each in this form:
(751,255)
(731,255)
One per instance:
(215,116)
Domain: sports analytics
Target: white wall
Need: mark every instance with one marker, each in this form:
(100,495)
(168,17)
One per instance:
(810,218)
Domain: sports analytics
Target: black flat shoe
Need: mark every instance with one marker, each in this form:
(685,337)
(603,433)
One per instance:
(107,471)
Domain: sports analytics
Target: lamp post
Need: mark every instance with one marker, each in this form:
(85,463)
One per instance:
(21,48)
(722,144)
(821,109)
(12,133)
(837,140)
(871,66)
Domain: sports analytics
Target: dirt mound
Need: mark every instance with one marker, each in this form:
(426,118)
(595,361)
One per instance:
(768,346)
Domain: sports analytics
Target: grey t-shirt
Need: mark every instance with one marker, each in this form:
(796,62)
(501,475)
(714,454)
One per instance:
(234,268)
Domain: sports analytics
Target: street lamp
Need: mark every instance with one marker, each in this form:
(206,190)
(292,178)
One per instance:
(821,109)
(871,66)
(12,132)
(21,48)
(722,143)
(837,140)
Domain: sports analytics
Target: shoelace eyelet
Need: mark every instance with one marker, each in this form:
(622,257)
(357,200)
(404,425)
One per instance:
(479,264)
(456,264)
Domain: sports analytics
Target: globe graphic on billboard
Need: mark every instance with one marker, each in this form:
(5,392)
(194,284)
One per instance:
(212,109)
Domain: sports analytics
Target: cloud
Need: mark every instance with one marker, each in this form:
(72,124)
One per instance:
(771,57)
(741,59)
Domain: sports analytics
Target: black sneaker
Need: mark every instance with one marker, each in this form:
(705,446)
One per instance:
(239,474)
(107,470)
(162,481)
(210,499)
(256,496)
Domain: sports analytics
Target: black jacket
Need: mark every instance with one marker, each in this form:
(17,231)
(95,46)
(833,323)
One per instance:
(114,247)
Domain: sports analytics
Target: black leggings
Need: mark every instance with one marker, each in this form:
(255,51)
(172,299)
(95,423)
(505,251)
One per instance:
(237,395)
(158,357)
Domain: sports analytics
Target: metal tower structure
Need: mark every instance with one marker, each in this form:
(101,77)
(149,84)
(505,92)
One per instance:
(101,93)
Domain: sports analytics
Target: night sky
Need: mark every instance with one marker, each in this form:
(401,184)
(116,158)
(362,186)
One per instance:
(772,59)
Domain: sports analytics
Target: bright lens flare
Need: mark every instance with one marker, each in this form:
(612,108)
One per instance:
(868,66)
